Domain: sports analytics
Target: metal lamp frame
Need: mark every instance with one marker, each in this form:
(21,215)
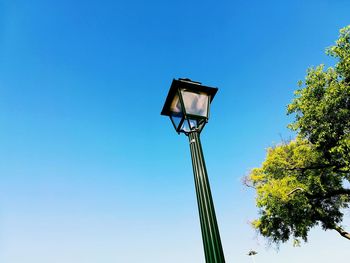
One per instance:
(175,90)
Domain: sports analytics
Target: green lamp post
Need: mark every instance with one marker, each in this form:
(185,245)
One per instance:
(187,105)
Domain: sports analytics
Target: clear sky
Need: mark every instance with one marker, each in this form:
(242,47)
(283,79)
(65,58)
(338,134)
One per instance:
(89,170)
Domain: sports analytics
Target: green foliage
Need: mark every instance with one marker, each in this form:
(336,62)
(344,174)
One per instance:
(301,183)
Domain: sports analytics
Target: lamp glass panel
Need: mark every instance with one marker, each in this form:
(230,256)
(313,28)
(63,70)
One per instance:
(188,127)
(196,103)
(176,120)
(175,105)
(193,124)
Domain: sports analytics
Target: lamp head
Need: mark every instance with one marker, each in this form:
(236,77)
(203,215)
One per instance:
(187,105)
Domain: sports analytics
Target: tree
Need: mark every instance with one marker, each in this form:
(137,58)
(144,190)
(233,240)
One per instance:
(303,183)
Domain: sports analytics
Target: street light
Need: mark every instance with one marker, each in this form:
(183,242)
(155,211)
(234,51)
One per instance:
(252,253)
(187,105)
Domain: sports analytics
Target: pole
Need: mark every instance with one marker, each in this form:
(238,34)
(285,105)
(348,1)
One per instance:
(210,232)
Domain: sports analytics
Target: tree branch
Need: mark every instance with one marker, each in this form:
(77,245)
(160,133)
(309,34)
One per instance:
(342,232)
(295,190)
(341,191)
(247,182)
(315,167)
(336,168)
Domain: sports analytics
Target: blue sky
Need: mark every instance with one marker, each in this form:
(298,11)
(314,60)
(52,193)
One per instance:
(90,171)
